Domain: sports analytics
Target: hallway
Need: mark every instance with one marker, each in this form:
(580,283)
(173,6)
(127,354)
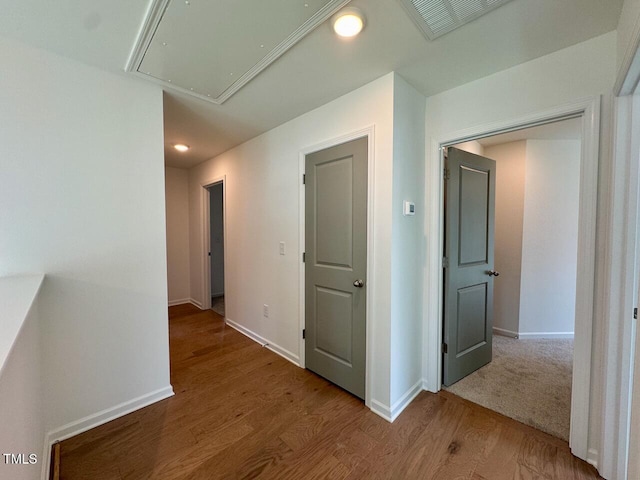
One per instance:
(241,411)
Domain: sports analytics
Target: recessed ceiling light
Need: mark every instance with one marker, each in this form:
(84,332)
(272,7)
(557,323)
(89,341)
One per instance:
(181,147)
(348,22)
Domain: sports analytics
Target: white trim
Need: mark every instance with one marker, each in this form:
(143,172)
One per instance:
(152,20)
(283,352)
(592,457)
(504,332)
(628,74)
(559,335)
(181,301)
(87,423)
(368,132)
(403,402)
(205,223)
(192,301)
(196,303)
(45,473)
(381,410)
(620,328)
(589,110)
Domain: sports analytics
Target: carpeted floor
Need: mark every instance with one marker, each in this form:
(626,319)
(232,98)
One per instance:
(217,305)
(528,380)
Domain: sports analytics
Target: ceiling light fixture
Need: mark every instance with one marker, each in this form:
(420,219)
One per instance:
(348,22)
(181,147)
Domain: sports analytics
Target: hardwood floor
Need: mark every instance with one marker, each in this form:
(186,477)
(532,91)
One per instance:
(241,411)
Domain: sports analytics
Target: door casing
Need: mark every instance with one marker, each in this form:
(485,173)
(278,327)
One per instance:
(589,110)
(368,132)
(205,240)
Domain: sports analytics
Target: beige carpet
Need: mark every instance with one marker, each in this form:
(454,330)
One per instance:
(217,305)
(528,380)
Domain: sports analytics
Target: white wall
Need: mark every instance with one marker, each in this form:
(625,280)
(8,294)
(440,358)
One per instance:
(82,195)
(550,237)
(263,179)
(22,415)
(583,70)
(216,239)
(407,251)
(510,179)
(177,214)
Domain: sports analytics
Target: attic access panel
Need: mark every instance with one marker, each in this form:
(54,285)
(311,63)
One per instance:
(211,49)
(437,17)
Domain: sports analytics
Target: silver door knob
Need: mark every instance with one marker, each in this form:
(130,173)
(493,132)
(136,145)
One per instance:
(358,283)
(493,273)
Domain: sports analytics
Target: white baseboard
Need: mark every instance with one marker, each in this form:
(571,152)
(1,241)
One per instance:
(283,352)
(404,401)
(504,332)
(87,423)
(381,410)
(391,413)
(181,301)
(546,335)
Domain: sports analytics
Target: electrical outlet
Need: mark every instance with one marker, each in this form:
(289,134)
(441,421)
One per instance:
(281,248)
(265,310)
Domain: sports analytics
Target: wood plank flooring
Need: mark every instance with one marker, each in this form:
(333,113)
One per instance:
(242,412)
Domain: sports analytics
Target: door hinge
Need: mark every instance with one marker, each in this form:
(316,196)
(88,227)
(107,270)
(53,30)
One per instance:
(445,262)
(304,257)
(304,333)
(445,348)
(304,178)
(447,174)
(445,152)
(635,313)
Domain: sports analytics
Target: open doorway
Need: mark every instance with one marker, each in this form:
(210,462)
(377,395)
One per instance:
(588,110)
(534,258)
(216,247)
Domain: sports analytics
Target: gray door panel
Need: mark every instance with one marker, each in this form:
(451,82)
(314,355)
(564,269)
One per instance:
(336,256)
(468,296)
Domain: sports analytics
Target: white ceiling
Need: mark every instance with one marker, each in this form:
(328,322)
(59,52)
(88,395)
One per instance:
(318,69)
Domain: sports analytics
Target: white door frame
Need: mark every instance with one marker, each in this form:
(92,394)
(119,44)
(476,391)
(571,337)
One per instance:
(368,132)
(589,110)
(620,331)
(205,199)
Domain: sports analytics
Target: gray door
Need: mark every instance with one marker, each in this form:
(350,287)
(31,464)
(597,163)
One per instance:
(470,184)
(335,265)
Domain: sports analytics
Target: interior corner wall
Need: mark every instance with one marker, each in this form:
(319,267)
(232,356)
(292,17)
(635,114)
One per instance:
(82,195)
(177,215)
(407,252)
(583,70)
(510,191)
(550,237)
(263,208)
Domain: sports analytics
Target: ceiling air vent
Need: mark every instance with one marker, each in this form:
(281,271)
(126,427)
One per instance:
(437,17)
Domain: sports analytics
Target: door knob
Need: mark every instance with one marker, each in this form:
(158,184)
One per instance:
(358,283)
(493,273)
